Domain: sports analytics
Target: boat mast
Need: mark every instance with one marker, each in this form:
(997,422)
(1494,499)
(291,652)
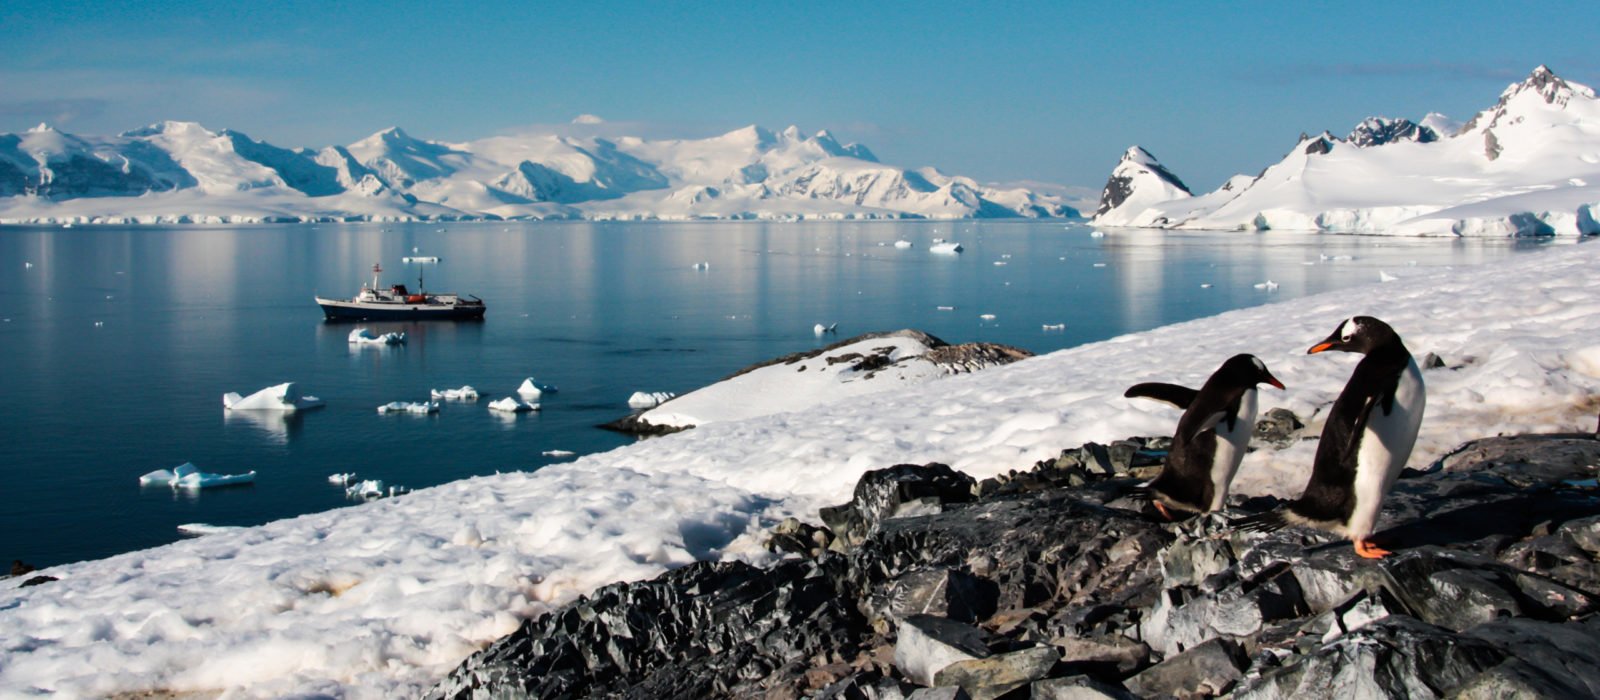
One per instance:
(376,268)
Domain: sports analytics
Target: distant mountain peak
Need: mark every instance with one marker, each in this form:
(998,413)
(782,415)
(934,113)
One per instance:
(1378,131)
(1547,85)
(1139,177)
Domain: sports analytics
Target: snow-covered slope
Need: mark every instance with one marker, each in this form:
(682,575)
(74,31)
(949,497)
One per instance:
(868,364)
(182,172)
(379,600)
(1529,165)
(1138,182)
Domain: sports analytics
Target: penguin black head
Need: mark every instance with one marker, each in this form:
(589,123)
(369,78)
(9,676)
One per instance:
(1359,334)
(1247,370)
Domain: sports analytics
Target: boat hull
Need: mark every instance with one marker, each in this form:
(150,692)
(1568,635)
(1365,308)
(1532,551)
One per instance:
(337,310)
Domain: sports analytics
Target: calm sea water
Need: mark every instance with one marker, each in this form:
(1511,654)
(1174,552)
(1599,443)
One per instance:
(118,343)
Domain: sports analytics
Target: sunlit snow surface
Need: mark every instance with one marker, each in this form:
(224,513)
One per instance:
(380,600)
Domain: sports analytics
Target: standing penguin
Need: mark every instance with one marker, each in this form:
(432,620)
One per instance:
(1366,441)
(1211,436)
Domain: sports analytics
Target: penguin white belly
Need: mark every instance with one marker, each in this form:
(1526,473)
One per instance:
(1230,449)
(1386,444)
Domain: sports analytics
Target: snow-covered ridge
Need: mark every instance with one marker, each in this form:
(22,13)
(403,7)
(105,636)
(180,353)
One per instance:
(181,172)
(1528,165)
(380,600)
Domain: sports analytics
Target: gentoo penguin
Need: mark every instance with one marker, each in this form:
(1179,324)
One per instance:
(1211,436)
(1366,441)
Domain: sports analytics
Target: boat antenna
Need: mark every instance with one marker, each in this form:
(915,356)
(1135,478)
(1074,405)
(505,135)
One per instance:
(420,288)
(376,268)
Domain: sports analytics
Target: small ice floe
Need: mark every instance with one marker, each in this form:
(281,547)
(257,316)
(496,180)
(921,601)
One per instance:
(702,266)
(370,488)
(1005,256)
(418,407)
(945,247)
(99,324)
(1097,234)
(558,453)
(1268,285)
(902,243)
(533,390)
(27,266)
(341,479)
(999,263)
(420,258)
(649,399)
(1339,258)
(986,317)
(1055,327)
(465,393)
(282,397)
(1205,285)
(820,329)
(365,336)
(202,529)
(512,404)
(1099,264)
(189,476)
(1386,277)
(944,308)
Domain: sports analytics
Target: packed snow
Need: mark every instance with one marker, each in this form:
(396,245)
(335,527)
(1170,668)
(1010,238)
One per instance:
(1527,165)
(381,599)
(281,397)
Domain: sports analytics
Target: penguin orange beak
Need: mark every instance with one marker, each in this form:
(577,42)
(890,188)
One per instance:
(1274,381)
(1319,347)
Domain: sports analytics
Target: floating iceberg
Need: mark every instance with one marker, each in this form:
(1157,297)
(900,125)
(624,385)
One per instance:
(642,399)
(1055,326)
(420,259)
(558,453)
(371,488)
(511,404)
(341,479)
(465,393)
(947,247)
(199,529)
(1268,285)
(423,407)
(902,243)
(189,476)
(532,390)
(365,336)
(820,329)
(283,397)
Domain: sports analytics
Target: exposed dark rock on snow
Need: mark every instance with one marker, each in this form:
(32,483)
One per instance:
(1049,583)
(1377,131)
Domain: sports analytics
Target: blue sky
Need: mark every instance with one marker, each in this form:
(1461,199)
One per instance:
(999,91)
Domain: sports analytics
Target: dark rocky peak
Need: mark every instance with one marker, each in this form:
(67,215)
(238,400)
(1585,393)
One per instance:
(1320,144)
(1120,186)
(1377,131)
(1545,83)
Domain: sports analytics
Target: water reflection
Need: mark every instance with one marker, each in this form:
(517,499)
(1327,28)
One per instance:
(273,427)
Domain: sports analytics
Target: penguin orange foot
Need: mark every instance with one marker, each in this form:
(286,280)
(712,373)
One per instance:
(1367,550)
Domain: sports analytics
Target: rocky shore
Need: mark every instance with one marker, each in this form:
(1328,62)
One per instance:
(1051,583)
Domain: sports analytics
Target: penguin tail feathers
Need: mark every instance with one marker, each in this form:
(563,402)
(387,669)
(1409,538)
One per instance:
(1269,521)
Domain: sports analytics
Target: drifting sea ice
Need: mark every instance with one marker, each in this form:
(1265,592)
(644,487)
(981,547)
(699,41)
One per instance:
(280,397)
(946,248)
(189,476)
(649,399)
(365,336)
(419,407)
(511,404)
(533,390)
(902,243)
(465,393)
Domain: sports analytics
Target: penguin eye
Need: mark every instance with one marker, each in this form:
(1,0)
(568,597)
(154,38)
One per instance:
(1345,339)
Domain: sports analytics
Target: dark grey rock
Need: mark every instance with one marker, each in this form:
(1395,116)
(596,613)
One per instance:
(1398,657)
(1211,668)
(993,676)
(950,693)
(1115,656)
(927,644)
(942,592)
(900,491)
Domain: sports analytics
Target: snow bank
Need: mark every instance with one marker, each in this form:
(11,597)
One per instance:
(380,599)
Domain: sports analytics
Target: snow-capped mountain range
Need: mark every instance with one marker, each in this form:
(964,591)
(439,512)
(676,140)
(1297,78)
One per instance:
(177,172)
(1528,165)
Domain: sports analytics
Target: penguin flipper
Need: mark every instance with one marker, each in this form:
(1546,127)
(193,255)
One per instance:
(1270,521)
(1179,396)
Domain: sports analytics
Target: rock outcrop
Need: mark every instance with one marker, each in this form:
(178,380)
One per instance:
(1051,583)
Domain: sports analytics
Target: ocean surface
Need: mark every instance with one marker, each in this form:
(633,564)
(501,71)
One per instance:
(117,343)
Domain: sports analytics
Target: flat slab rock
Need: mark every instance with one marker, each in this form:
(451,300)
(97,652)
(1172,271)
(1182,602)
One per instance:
(1062,588)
